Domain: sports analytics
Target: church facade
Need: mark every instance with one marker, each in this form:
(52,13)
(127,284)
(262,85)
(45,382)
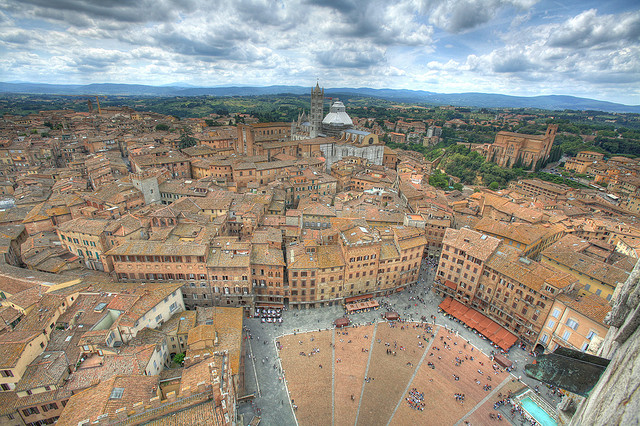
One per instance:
(510,147)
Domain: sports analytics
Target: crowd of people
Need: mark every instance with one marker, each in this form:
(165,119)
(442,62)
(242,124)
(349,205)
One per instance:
(516,409)
(313,351)
(415,399)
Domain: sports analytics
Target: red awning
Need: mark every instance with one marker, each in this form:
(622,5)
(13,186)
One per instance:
(391,316)
(492,329)
(508,341)
(450,284)
(341,322)
(269,305)
(445,304)
(484,324)
(480,322)
(502,360)
(356,298)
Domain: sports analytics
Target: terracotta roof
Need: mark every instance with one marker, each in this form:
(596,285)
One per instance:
(13,344)
(298,258)
(264,255)
(388,250)
(329,256)
(97,400)
(180,323)
(231,254)
(520,232)
(8,314)
(158,248)
(521,135)
(228,323)
(471,242)
(532,274)
(48,369)
(562,252)
(84,226)
(591,306)
(28,297)
(201,332)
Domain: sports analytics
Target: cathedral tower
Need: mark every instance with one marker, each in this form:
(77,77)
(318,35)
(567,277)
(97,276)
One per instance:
(317,111)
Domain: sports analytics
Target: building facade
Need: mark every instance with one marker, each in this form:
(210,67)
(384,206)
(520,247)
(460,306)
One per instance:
(509,148)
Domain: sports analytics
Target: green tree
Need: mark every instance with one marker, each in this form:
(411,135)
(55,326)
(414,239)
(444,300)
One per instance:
(494,186)
(186,141)
(439,180)
(162,127)
(178,358)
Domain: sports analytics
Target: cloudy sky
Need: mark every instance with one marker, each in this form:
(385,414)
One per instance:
(521,47)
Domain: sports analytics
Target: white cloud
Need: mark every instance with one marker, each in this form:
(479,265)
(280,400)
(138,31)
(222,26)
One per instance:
(462,15)
(374,43)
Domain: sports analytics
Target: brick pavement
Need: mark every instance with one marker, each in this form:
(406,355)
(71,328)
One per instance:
(439,385)
(350,371)
(481,414)
(309,376)
(389,373)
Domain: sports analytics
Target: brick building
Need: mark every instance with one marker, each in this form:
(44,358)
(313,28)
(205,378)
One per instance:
(573,321)
(510,147)
(483,273)
(253,138)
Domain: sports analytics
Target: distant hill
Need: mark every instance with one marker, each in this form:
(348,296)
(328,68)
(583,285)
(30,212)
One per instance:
(472,99)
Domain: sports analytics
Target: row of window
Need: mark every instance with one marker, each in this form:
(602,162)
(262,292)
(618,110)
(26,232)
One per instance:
(161,277)
(361,258)
(158,259)
(46,407)
(77,241)
(270,273)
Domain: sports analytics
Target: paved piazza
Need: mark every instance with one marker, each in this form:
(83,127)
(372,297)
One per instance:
(362,374)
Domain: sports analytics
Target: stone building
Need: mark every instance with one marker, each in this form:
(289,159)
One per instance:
(337,121)
(510,147)
(614,399)
(254,138)
(583,160)
(574,321)
(355,261)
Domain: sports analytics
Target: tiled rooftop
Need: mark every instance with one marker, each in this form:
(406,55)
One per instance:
(97,400)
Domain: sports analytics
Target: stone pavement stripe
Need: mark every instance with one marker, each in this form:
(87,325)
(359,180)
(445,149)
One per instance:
(253,363)
(431,340)
(333,378)
(366,373)
(485,399)
(284,379)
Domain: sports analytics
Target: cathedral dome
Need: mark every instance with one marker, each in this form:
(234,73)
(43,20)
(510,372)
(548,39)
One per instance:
(337,116)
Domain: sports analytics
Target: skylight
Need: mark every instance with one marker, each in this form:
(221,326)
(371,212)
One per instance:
(116,393)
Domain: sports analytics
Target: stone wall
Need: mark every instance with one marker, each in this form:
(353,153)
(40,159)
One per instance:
(334,152)
(616,398)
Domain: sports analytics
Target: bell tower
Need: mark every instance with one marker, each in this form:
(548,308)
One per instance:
(317,110)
